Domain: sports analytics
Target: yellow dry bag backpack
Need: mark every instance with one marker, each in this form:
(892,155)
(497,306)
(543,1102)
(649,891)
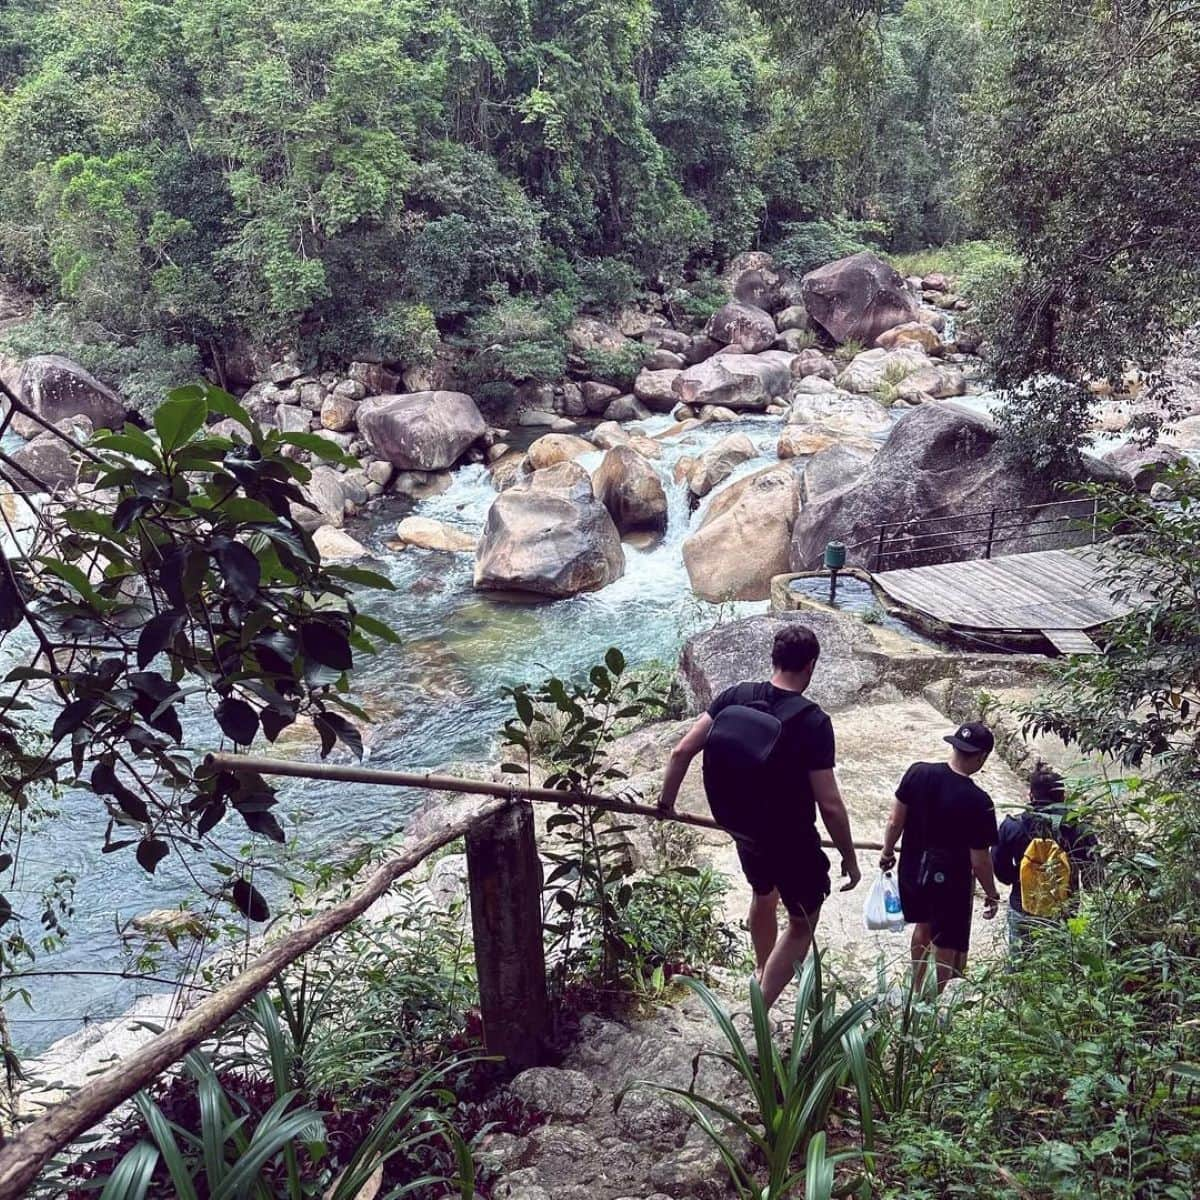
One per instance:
(1045,875)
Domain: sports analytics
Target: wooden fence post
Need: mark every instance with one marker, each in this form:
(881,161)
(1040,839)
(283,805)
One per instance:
(505,880)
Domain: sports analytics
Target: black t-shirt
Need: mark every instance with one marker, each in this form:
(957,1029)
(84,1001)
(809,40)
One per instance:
(806,744)
(946,811)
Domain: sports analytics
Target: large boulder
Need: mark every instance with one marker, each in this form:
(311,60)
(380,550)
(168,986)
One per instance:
(655,389)
(834,468)
(555,448)
(629,487)
(869,371)
(857,298)
(1145,465)
(326,500)
(940,460)
(841,412)
(736,381)
(57,389)
(744,538)
(742,325)
(718,462)
(848,668)
(421,431)
(50,460)
(549,541)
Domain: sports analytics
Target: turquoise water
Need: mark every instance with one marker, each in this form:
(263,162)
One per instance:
(435,698)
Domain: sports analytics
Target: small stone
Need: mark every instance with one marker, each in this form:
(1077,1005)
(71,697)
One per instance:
(350,388)
(497,450)
(420,485)
(337,412)
(336,545)
(284,371)
(563,425)
(293,419)
(570,401)
(717,412)
(427,534)
(312,396)
(380,471)
(534,418)
(1162,492)
(663,360)
(626,408)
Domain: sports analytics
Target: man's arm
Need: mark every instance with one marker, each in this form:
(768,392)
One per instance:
(689,746)
(891,834)
(837,821)
(981,864)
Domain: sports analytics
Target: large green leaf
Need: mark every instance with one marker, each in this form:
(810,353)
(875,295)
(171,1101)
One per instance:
(179,416)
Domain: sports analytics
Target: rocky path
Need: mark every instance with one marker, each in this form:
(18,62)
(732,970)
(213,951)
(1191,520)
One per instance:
(646,1149)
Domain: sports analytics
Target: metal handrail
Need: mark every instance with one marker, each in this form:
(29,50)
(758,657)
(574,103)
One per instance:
(972,512)
(898,540)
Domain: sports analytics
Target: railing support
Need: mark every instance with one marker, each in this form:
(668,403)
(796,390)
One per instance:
(991,533)
(505,880)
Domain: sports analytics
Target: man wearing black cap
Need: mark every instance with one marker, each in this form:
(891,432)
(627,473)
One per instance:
(949,824)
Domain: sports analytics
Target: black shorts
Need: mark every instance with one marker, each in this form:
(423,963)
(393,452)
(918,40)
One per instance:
(800,875)
(945,908)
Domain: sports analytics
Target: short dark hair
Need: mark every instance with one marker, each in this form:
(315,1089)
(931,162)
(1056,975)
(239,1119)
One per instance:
(1046,785)
(795,647)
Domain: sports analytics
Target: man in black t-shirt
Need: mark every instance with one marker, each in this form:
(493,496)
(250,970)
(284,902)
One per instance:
(787,863)
(949,824)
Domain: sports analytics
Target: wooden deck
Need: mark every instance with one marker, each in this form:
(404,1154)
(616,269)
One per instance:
(1058,593)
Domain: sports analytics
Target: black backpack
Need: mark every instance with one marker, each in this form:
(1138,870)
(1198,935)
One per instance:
(742,779)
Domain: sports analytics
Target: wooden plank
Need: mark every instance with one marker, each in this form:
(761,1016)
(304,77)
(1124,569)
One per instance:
(1070,641)
(1041,589)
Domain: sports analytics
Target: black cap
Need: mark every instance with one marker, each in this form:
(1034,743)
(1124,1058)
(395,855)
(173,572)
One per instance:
(972,738)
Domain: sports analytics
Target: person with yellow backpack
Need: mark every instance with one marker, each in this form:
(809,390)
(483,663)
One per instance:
(1042,856)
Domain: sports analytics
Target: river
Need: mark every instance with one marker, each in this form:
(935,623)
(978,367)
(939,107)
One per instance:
(436,697)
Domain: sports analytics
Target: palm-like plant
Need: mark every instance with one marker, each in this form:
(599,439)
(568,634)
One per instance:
(227,1160)
(793,1090)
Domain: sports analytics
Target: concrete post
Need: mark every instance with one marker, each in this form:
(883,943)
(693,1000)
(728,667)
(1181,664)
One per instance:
(505,880)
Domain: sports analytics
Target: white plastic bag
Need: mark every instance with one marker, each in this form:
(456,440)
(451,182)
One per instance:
(882,909)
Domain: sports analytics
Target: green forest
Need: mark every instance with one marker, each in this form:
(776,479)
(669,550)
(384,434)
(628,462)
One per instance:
(188,181)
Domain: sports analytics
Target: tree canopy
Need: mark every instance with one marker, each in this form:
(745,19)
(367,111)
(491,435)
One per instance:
(344,173)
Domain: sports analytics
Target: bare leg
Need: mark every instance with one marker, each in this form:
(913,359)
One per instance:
(791,949)
(764,928)
(950,964)
(922,936)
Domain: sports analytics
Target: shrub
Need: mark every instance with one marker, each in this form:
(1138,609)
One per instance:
(618,367)
(695,302)
(608,282)
(806,245)
(519,340)
(793,1090)
(141,371)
